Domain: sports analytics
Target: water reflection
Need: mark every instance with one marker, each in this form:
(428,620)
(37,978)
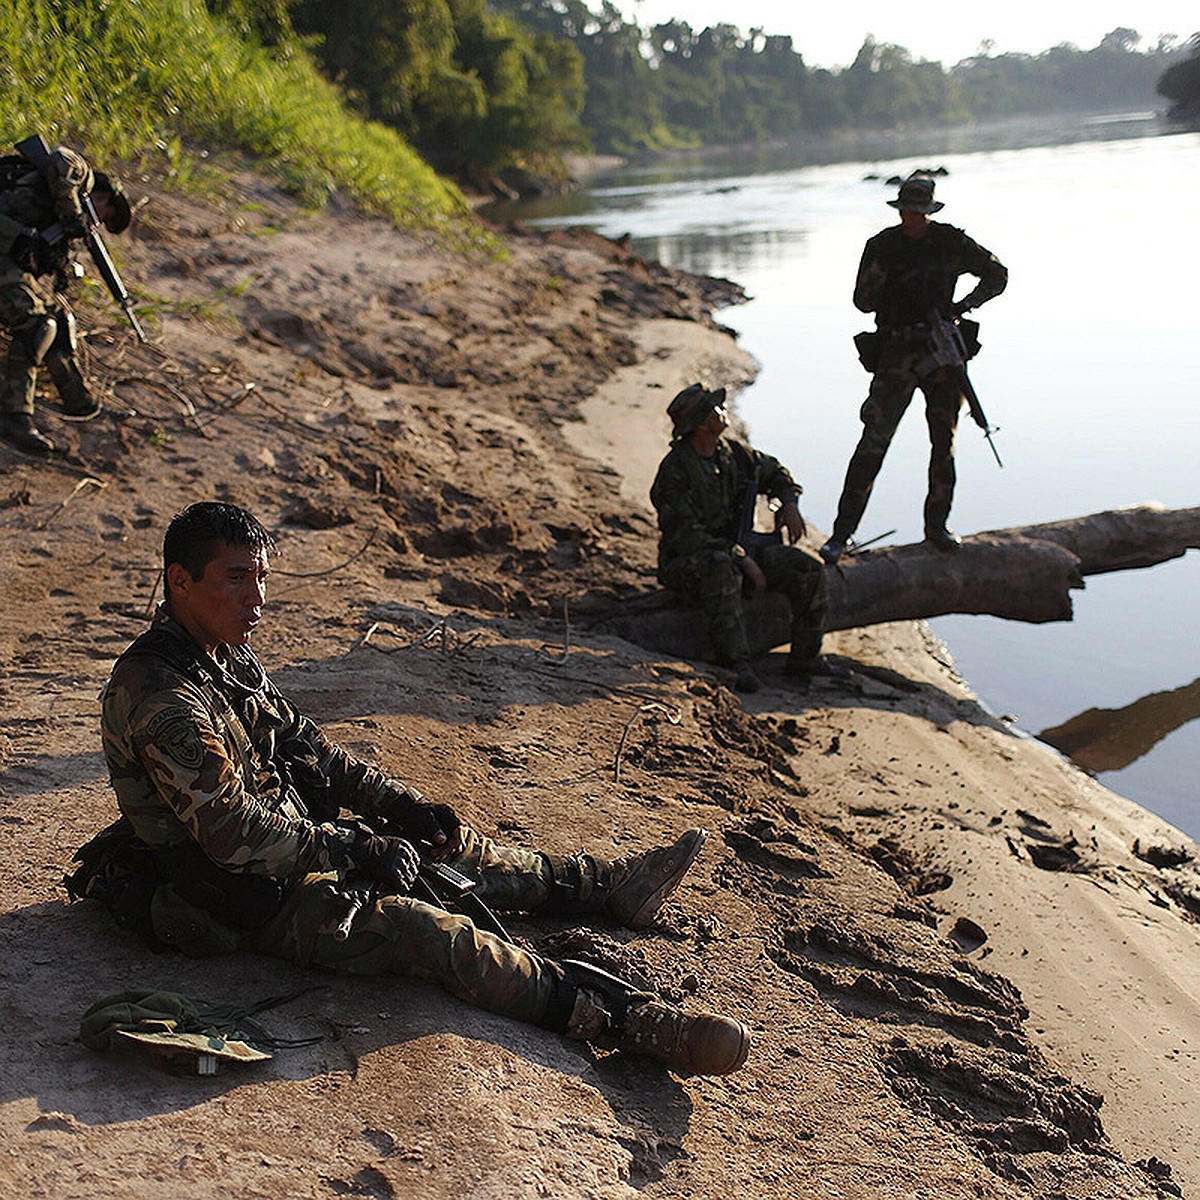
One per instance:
(1109,739)
(717,251)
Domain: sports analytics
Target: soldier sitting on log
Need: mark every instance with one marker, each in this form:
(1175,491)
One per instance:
(704,493)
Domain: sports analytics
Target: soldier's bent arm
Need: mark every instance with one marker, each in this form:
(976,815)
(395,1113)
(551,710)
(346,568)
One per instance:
(870,280)
(991,272)
(191,784)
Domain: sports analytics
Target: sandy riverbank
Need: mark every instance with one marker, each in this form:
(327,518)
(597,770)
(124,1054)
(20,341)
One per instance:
(1036,854)
(428,435)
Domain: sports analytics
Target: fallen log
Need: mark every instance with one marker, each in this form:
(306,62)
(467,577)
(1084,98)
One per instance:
(1021,574)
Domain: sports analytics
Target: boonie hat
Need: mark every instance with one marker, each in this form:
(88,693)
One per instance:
(916,195)
(689,408)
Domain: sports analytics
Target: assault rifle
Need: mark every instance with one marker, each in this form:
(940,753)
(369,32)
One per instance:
(436,883)
(38,153)
(948,348)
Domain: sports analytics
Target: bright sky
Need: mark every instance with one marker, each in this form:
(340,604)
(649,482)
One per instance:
(829,35)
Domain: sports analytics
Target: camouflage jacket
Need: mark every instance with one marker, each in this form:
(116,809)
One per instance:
(206,749)
(902,279)
(702,502)
(37,201)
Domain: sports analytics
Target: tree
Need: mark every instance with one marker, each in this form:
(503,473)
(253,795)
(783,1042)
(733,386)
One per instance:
(1180,83)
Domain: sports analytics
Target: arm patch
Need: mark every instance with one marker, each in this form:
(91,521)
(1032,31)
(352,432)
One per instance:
(174,732)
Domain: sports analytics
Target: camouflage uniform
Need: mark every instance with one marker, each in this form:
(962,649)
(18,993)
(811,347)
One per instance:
(229,783)
(36,202)
(902,280)
(700,504)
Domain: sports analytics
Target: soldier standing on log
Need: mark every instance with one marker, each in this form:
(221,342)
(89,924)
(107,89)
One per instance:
(908,272)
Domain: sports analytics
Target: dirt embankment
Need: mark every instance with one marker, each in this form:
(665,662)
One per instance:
(410,424)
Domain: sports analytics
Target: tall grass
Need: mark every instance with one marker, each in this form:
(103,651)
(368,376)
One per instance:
(133,79)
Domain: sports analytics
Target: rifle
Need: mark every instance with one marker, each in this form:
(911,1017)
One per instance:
(948,348)
(436,883)
(35,150)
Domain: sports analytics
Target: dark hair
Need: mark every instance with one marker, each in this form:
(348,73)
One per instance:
(195,536)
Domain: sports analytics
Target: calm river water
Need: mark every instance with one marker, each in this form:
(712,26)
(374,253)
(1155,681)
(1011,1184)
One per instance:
(1088,369)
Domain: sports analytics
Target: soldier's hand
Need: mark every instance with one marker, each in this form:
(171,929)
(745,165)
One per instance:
(435,826)
(390,861)
(32,253)
(790,519)
(754,573)
(74,226)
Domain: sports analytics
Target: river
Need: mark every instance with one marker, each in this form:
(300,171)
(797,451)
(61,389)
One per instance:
(1088,369)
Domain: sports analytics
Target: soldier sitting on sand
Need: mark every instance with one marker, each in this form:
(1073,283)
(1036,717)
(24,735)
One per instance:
(230,837)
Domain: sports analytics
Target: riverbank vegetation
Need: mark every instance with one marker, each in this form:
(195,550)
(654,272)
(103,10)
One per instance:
(159,81)
(1180,84)
(377,97)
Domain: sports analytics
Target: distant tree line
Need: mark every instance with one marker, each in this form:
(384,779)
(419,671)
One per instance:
(488,88)
(1180,83)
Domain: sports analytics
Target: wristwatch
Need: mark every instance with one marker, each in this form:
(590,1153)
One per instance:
(737,551)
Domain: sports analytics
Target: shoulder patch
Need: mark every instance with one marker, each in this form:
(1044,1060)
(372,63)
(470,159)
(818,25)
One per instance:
(173,731)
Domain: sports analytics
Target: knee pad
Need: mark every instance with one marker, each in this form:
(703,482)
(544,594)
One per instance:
(38,336)
(66,339)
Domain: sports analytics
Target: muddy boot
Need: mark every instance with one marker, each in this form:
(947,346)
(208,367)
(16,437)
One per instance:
(19,430)
(615,1017)
(639,884)
(630,889)
(705,1044)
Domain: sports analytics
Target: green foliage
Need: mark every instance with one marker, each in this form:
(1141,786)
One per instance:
(1180,83)
(673,85)
(473,90)
(151,78)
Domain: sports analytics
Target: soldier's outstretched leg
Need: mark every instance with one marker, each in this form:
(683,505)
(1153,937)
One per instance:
(891,391)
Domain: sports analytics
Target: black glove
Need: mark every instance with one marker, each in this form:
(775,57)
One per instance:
(390,861)
(408,813)
(432,823)
(32,253)
(73,227)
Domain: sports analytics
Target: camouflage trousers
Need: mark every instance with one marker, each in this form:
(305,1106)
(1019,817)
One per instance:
(24,305)
(398,935)
(891,391)
(713,583)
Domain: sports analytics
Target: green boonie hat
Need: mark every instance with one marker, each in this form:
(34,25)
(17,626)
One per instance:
(689,408)
(916,195)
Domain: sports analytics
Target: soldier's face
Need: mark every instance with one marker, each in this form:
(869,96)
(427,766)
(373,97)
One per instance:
(225,606)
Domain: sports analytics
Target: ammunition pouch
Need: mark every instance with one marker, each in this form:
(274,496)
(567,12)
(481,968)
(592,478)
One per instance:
(970,336)
(869,349)
(127,876)
(120,871)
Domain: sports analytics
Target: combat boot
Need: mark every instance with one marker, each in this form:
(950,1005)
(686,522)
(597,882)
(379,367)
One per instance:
(630,889)
(613,1015)
(705,1044)
(639,884)
(19,430)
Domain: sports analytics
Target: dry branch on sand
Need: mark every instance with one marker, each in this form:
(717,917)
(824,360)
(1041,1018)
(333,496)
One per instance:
(1021,574)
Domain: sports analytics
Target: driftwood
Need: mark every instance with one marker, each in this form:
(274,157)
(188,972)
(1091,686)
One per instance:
(1023,574)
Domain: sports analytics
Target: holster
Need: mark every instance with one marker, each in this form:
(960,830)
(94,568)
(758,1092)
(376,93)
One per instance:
(869,349)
